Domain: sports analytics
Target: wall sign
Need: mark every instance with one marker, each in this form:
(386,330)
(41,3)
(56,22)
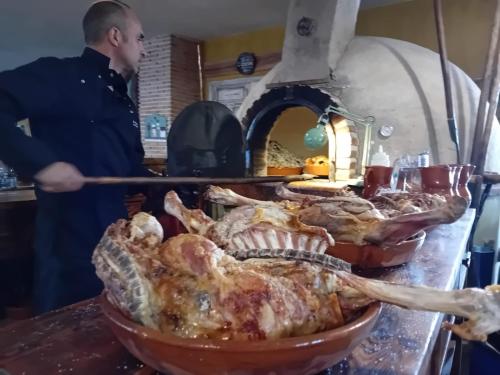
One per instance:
(232,95)
(156,127)
(246,63)
(231,92)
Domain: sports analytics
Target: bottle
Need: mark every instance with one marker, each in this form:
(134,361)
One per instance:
(154,131)
(3,176)
(163,132)
(423,159)
(8,178)
(395,175)
(381,158)
(12,178)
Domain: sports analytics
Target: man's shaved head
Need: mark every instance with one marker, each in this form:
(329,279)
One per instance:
(114,30)
(102,16)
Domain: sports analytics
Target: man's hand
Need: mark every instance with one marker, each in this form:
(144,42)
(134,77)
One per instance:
(60,177)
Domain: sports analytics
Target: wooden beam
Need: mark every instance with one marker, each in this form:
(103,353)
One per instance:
(491,70)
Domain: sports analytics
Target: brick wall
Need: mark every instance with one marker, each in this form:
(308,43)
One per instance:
(168,81)
(184,73)
(153,86)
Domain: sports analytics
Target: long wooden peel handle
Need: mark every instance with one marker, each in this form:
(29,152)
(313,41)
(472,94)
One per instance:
(491,178)
(486,178)
(192,180)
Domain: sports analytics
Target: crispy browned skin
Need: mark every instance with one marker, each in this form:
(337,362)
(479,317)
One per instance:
(352,219)
(192,288)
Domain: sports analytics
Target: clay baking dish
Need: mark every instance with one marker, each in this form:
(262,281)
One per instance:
(373,256)
(291,356)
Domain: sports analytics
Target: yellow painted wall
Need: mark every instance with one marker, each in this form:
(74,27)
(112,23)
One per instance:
(260,42)
(290,128)
(467,24)
(228,48)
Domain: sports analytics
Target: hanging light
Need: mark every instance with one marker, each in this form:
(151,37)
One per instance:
(317,137)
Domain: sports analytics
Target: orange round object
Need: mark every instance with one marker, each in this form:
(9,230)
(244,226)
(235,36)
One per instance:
(373,256)
(304,355)
(317,165)
(285,171)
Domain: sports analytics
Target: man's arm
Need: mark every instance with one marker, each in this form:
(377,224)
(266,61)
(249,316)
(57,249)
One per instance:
(23,94)
(59,177)
(25,154)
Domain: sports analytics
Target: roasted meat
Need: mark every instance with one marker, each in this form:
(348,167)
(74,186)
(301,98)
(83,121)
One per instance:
(191,288)
(353,219)
(252,226)
(348,227)
(395,204)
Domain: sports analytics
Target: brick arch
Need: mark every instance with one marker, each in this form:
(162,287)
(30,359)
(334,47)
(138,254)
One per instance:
(346,158)
(261,116)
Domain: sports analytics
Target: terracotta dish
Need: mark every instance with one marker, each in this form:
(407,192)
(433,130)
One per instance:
(291,356)
(285,171)
(373,256)
(317,165)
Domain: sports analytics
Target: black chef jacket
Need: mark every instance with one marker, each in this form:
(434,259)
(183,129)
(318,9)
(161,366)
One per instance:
(80,113)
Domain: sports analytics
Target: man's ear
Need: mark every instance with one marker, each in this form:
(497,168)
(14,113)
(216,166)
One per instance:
(114,36)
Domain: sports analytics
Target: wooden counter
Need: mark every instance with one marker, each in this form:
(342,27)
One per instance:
(14,196)
(17,217)
(17,229)
(76,340)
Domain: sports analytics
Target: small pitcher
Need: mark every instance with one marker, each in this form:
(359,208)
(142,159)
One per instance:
(465,174)
(456,170)
(376,176)
(437,179)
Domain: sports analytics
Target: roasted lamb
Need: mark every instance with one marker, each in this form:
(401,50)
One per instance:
(395,204)
(352,219)
(191,288)
(252,226)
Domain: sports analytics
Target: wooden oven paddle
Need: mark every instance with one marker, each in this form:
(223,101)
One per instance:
(193,180)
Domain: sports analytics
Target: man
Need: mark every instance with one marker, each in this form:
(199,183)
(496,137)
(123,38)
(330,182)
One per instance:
(83,124)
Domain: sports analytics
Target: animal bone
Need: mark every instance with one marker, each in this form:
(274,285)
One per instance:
(258,225)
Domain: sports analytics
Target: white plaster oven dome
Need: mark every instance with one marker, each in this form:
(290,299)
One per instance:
(397,82)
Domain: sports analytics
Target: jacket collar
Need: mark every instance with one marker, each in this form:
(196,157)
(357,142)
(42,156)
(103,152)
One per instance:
(101,62)
(95,58)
